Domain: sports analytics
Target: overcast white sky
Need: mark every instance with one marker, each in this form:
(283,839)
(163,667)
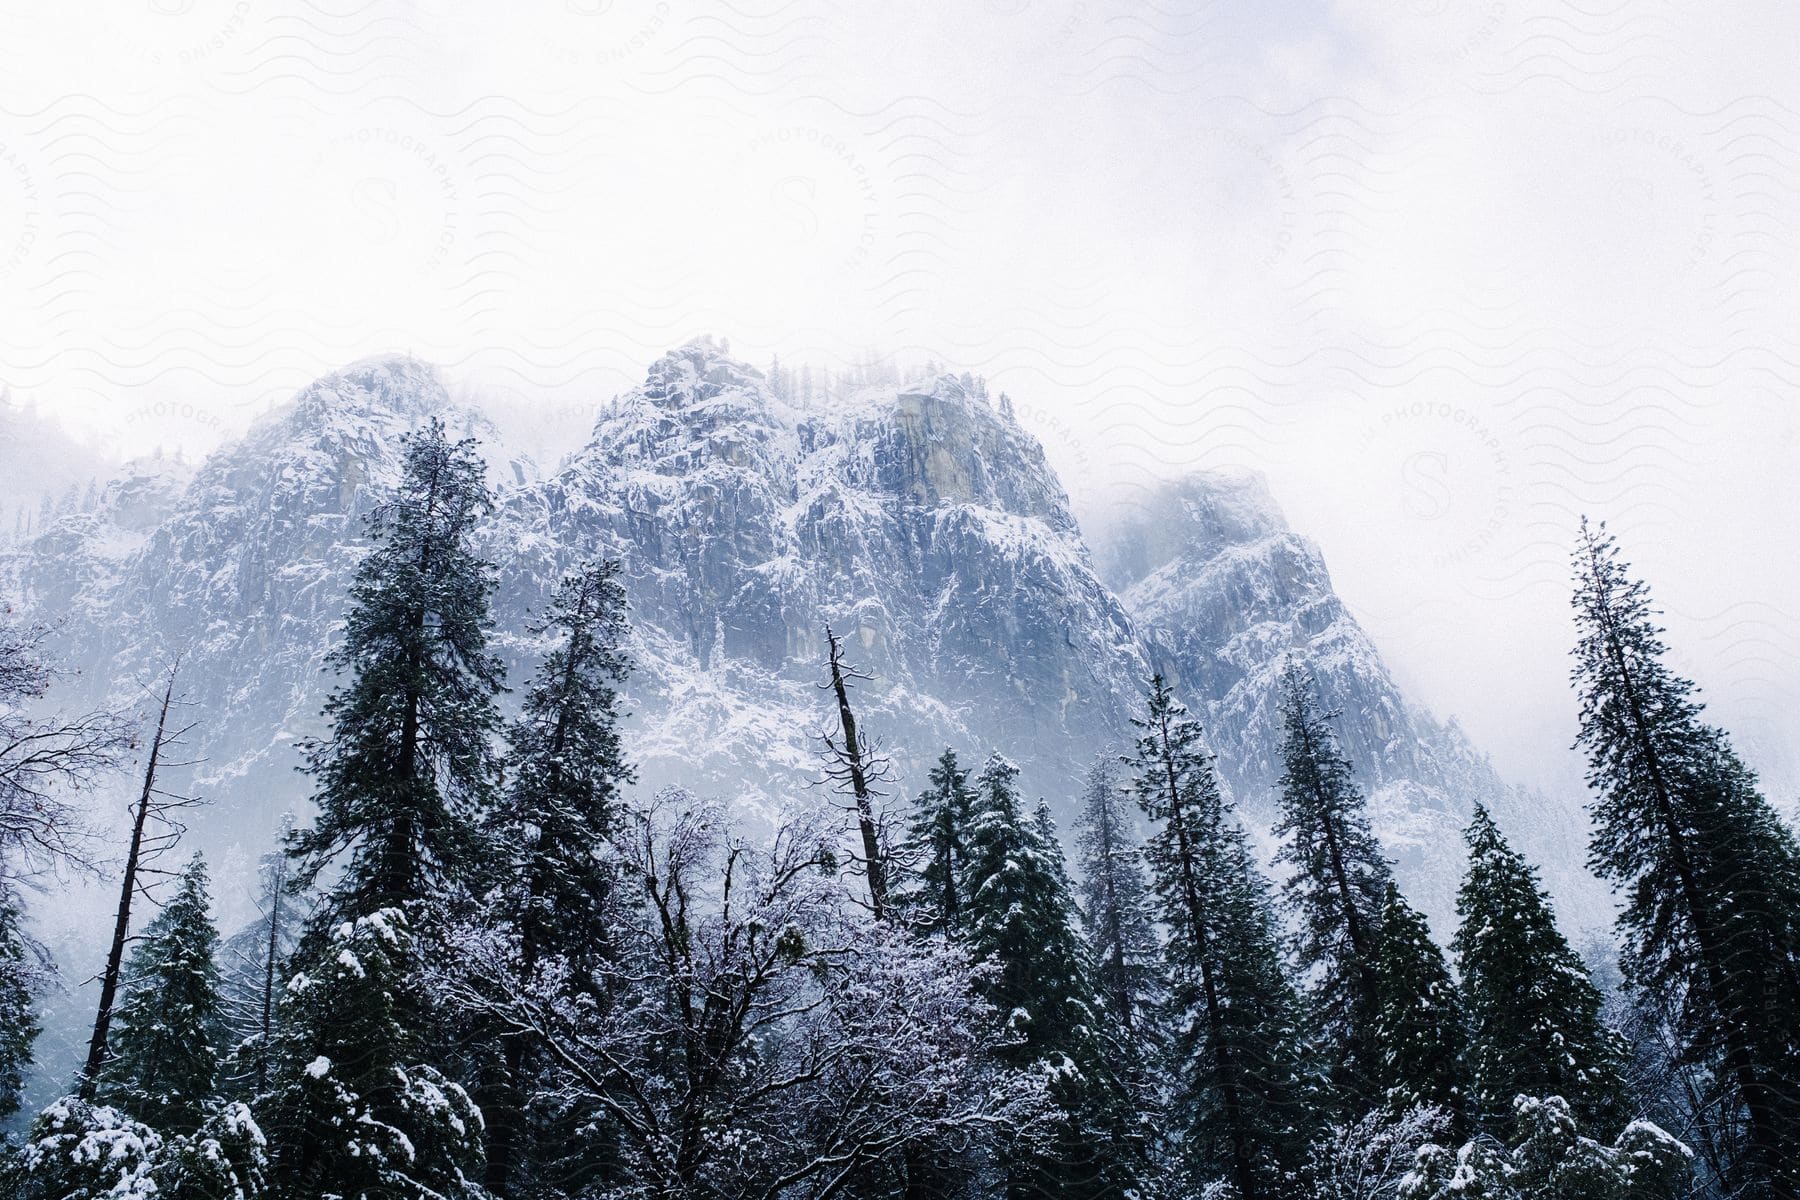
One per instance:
(1450,272)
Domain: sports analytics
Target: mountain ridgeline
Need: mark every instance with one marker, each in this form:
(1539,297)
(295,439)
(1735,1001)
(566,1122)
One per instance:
(921,522)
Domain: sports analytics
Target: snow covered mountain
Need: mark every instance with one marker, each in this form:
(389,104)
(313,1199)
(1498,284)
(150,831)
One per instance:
(1222,593)
(921,522)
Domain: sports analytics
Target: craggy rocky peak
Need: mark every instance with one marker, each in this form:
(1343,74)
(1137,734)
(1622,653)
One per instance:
(920,521)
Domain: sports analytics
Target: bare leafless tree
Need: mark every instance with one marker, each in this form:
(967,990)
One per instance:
(853,766)
(46,759)
(762,1038)
(156,829)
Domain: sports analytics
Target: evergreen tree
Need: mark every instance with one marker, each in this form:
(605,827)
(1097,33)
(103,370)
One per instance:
(19,1026)
(1337,888)
(254,969)
(164,1058)
(353,1113)
(1115,901)
(1419,1024)
(408,764)
(1018,920)
(1534,1016)
(567,768)
(404,780)
(1234,1066)
(932,886)
(1710,874)
(553,829)
(225,1159)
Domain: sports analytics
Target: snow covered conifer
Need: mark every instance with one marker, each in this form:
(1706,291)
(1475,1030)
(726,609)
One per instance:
(1534,1016)
(1019,921)
(80,1151)
(164,1059)
(352,1112)
(19,1025)
(1419,1023)
(1710,873)
(408,764)
(1551,1159)
(566,767)
(931,892)
(225,1159)
(1115,900)
(552,831)
(1234,1062)
(1337,891)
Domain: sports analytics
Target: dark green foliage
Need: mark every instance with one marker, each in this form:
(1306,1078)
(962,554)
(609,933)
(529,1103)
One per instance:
(1534,1016)
(553,831)
(1234,1064)
(1019,922)
(1337,889)
(404,782)
(20,972)
(931,886)
(1115,902)
(1710,875)
(254,969)
(352,1112)
(1419,1024)
(566,769)
(164,1054)
(408,765)
(225,1159)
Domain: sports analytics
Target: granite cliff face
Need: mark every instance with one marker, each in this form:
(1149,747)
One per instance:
(921,522)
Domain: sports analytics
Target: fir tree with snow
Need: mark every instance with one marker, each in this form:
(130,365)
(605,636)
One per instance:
(353,1112)
(408,766)
(81,1151)
(1115,901)
(1419,1024)
(1234,1067)
(20,975)
(1710,874)
(253,969)
(931,885)
(566,767)
(1549,1158)
(227,1158)
(553,830)
(1336,889)
(1018,921)
(1534,1015)
(163,1061)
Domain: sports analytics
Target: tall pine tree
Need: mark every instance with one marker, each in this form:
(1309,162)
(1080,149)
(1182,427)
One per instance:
(1337,888)
(166,1032)
(408,766)
(567,768)
(1234,1065)
(1419,1022)
(1019,921)
(1710,874)
(1534,1016)
(1115,901)
(931,887)
(404,779)
(553,830)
